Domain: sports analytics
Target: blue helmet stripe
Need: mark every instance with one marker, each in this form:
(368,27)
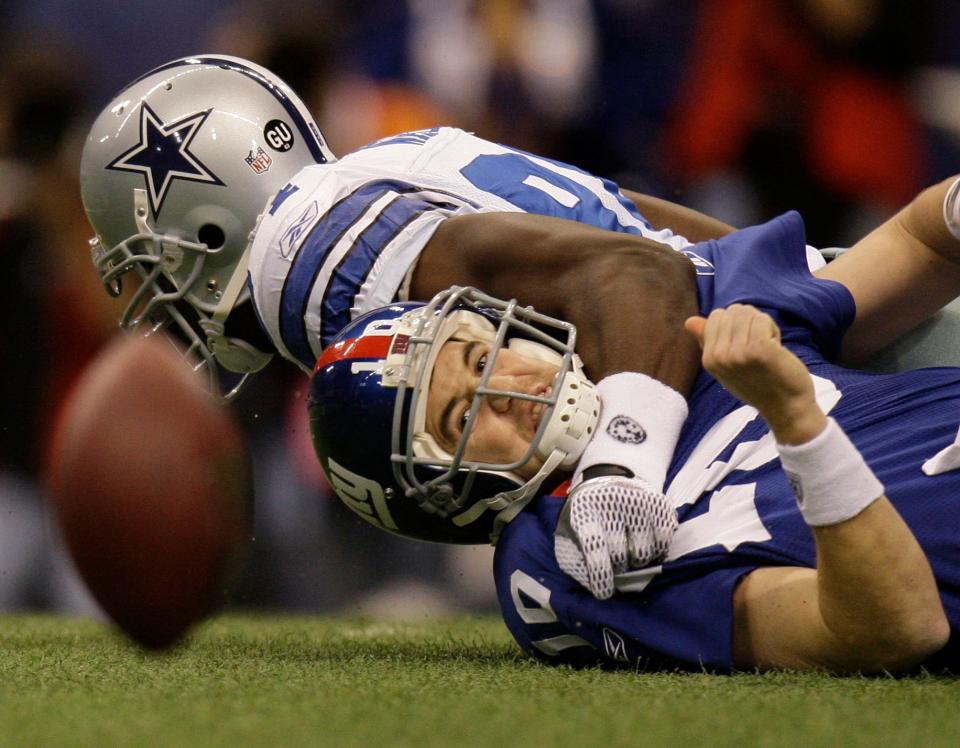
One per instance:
(307,132)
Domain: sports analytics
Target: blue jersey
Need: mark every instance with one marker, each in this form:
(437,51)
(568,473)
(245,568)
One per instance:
(341,238)
(735,507)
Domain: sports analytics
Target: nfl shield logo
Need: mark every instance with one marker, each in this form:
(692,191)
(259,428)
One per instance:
(259,160)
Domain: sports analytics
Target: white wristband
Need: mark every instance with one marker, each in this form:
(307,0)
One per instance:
(951,209)
(829,477)
(638,429)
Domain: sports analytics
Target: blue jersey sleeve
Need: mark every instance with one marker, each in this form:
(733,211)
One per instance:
(766,266)
(687,623)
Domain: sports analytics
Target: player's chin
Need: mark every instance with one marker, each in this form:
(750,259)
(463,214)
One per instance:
(530,468)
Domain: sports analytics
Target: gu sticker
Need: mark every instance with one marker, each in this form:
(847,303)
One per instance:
(278,135)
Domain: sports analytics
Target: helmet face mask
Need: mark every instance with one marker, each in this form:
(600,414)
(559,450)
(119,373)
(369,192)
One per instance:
(174,174)
(429,492)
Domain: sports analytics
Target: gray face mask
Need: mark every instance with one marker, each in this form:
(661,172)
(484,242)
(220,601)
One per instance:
(569,410)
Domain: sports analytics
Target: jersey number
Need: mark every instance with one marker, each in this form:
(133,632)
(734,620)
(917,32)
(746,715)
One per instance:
(550,188)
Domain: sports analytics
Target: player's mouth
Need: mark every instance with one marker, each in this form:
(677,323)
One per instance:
(536,412)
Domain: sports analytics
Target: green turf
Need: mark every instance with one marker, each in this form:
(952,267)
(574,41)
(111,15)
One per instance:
(274,681)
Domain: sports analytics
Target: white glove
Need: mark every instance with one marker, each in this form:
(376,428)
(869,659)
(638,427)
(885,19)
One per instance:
(609,525)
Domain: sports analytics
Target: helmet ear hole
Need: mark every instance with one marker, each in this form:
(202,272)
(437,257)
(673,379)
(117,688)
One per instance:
(211,235)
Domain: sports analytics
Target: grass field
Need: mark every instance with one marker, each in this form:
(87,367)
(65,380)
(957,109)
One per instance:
(278,681)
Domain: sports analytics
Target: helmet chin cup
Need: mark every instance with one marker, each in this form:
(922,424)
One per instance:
(573,420)
(575,415)
(233,354)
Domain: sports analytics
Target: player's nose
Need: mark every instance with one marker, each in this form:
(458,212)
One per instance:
(504,383)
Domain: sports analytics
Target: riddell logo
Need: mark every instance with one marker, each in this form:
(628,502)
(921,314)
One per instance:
(259,160)
(615,646)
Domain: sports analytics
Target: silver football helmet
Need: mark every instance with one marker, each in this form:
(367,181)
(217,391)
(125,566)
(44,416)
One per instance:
(175,173)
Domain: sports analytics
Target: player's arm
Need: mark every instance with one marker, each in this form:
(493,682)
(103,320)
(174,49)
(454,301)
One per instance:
(899,274)
(627,295)
(663,214)
(872,603)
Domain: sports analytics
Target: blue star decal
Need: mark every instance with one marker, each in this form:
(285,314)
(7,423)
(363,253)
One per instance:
(163,155)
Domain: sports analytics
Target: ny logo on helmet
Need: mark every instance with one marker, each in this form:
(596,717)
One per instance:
(362,495)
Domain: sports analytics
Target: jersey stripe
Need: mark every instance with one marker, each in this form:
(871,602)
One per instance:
(356,260)
(309,261)
(306,266)
(353,269)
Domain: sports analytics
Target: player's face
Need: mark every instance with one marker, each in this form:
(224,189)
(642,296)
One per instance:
(504,427)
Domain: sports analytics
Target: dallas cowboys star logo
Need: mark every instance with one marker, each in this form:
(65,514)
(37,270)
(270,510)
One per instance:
(163,155)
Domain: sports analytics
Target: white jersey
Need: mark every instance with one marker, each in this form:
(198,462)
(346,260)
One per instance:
(339,239)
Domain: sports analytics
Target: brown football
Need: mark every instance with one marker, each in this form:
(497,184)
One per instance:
(151,483)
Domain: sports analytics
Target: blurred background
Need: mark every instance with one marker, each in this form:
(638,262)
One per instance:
(841,109)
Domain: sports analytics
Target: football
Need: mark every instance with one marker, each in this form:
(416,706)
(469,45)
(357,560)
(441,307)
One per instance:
(152,489)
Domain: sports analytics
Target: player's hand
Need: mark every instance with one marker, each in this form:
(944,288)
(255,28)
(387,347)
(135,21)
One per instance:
(742,349)
(610,525)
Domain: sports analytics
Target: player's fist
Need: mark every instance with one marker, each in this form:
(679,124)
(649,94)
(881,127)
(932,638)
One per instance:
(742,349)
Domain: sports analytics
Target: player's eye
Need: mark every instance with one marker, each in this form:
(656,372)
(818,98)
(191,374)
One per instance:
(481,363)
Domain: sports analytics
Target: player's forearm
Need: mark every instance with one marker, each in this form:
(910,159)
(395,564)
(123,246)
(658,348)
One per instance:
(876,592)
(628,296)
(870,604)
(686,222)
(924,219)
(899,274)
(877,599)
(629,308)
(633,344)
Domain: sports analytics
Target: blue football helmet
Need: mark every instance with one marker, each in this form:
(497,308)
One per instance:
(175,173)
(368,401)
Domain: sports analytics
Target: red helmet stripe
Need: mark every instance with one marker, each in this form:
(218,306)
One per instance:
(371,346)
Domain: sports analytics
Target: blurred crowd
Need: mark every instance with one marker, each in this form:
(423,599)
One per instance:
(841,109)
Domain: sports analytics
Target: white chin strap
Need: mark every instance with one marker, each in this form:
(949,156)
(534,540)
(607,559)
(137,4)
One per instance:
(508,504)
(233,354)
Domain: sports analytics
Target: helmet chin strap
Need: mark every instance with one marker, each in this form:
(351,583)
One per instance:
(515,499)
(233,354)
(508,504)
